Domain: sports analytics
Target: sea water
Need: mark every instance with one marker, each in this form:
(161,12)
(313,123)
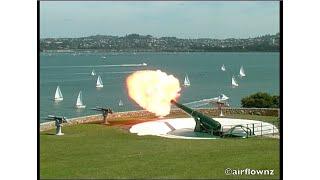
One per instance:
(72,72)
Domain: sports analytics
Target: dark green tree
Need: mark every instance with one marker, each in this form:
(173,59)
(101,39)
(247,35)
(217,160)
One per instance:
(276,101)
(260,100)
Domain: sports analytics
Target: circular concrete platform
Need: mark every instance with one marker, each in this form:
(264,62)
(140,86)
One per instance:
(182,128)
(188,133)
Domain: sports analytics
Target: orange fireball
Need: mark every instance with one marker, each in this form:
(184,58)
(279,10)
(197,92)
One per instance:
(153,90)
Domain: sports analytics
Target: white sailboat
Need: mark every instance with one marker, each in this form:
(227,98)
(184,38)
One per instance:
(234,82)
(99,82)
(93,72)
(223,97)
(58,95)
(186,81)
(242,73)
(120,103)
(223,68)
(79,103)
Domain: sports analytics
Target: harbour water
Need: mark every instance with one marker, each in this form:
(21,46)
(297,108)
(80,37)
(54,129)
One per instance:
(72,73)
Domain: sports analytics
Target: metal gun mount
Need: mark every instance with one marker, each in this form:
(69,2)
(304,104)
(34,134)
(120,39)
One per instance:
(220,101)
(58,123)
(220,104)
(208,125)
(105,112)
(203,122)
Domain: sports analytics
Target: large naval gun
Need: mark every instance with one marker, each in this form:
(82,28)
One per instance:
(208,125)
(203,123)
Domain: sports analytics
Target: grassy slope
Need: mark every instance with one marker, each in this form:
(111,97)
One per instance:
(97,151)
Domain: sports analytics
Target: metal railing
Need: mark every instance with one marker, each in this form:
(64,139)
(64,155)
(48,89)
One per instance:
(257,129)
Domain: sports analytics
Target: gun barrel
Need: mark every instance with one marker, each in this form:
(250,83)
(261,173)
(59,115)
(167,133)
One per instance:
(184,108)
(204,123)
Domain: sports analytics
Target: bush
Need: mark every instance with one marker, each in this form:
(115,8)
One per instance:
(260,100)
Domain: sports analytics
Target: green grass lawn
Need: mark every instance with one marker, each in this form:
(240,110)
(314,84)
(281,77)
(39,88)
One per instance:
(98,151)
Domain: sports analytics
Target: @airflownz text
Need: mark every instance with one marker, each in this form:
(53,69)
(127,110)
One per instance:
(248,171)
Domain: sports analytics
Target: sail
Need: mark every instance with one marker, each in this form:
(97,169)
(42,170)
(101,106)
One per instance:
(79,99)
(58,94)
(99,82)
(234,82)
(93,73)
(223,68)
(79,103)
(120,103)
(186,81)
(242,73)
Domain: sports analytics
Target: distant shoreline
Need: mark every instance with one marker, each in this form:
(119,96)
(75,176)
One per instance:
(148,43)
(138,51)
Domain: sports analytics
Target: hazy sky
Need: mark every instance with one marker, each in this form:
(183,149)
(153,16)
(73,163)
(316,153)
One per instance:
(181,19)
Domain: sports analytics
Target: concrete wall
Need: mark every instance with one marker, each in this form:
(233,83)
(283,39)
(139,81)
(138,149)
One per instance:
(134,115)
(78,120)
(250,111)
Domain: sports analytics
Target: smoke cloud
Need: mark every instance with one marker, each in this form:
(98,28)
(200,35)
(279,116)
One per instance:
(153,90)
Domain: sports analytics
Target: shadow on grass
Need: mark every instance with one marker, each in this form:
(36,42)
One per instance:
(49,134)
